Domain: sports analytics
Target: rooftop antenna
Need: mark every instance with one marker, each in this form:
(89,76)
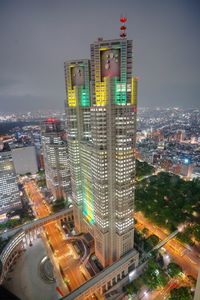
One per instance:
(123,27)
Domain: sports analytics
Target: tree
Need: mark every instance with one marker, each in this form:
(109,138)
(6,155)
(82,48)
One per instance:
(154,276)
(151,242)
(196,232)
(184,237)
(174,269)
(59,204)
(182,293)
(132,288)
(145,231)
(168,201)
(143,169)
(42,182)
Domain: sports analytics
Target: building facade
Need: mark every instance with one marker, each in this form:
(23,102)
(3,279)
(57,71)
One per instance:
(197,289)
(101,126)
(56,160)
(25,160)
(9,191)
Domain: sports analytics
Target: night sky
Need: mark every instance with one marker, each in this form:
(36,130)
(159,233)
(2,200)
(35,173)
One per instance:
(37,36)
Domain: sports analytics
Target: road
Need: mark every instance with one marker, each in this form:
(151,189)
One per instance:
(70,266)
(163,293)
(187,258)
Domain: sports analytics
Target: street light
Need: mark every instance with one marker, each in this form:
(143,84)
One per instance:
(156,272)
(146,294)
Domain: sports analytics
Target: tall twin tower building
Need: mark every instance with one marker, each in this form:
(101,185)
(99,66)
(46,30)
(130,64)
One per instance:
(101,107)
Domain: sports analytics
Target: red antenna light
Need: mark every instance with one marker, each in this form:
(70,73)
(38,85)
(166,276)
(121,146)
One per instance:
(123,35)
(123,27)
(123,20)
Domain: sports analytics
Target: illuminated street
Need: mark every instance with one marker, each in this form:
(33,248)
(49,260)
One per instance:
(70,267)
(187,259)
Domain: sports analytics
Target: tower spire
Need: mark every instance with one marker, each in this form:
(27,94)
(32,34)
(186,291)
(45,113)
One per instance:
(123,27)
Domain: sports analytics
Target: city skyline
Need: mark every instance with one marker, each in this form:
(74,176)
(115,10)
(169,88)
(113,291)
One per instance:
(36,37)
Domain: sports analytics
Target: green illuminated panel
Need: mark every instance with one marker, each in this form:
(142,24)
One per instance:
(88,202)
(120,92)
(84,97)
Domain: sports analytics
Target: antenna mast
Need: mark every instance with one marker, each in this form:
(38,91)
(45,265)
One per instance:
(123,27)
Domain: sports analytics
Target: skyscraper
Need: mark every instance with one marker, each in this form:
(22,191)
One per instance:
(56,159)
(9,192)
(101,126)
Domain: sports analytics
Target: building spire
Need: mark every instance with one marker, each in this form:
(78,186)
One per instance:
(123,27)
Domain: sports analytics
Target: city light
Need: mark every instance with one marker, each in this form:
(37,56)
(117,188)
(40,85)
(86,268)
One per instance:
(146,294)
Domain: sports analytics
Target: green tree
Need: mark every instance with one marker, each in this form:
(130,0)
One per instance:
(168,201)
(196,232)
(182,293)
(174,269)
(132,289)
(184,237)
(145,231)
(59,204)
(143,169)
(154,276)
(151,242)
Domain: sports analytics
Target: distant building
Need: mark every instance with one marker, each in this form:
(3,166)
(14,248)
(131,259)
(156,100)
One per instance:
(193,140)
(56,160)
(186,170)
(196,172)
(180,135)
(40,159)
(25,160)
(156,158)
(176,168)
(166,164)
(161,145)
(9,192)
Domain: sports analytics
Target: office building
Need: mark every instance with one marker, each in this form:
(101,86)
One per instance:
(25,160)
(101,127)
(9,192)
(56,161)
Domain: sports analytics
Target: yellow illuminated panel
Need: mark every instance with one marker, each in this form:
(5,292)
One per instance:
(134,91)
(101,93)
(71,97)
(103,49)
(121,154)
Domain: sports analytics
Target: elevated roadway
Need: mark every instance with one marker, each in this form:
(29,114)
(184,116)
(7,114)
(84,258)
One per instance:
(65,213)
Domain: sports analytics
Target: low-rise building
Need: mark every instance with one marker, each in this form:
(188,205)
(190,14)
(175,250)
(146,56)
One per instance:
(25,160)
